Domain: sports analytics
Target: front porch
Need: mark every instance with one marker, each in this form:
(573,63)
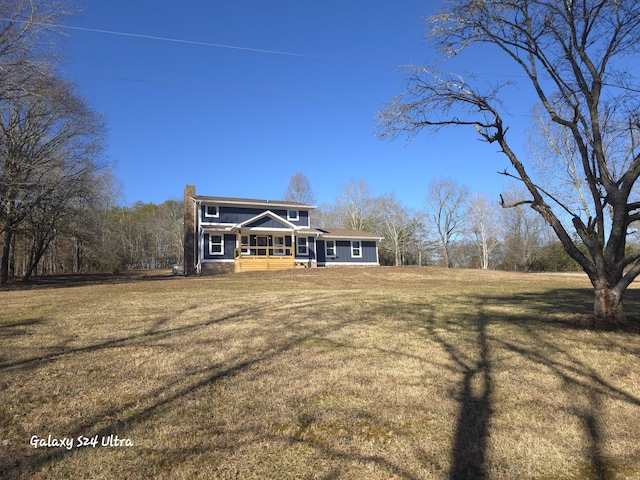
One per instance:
(264,251)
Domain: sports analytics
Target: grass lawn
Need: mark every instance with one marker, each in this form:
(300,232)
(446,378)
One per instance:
(377,373)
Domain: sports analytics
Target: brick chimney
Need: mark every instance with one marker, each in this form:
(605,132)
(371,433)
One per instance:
(189,263)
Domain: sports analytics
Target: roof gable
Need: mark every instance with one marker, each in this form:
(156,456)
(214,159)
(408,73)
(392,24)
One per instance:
(267,219)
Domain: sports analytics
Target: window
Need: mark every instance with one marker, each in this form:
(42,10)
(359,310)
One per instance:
(216,246)
(211,211)
(292,215)
(303,248)
(262,242)
(244,244)
(356,251)
(330,248)
(278,243)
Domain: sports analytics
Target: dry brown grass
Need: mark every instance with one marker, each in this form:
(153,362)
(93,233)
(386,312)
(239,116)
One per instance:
(329,374)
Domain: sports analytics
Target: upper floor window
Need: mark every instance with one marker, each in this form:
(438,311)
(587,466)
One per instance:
(293,215)
(356,250)
(211,211)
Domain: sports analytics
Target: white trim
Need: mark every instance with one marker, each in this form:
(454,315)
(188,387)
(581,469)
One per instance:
(197,241)
(266,229)
(348,264)
(314,245)
(218,260)
(221,228)
(353,255)
(226,226)
(350,237)
(296,218)
(200,247)
(270,214)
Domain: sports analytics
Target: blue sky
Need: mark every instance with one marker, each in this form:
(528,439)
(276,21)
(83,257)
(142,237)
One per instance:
(235,97)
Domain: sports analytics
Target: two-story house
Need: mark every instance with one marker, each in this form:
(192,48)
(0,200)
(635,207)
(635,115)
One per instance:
(238,235)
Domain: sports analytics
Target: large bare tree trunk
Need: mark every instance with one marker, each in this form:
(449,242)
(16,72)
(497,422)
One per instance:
(607,305)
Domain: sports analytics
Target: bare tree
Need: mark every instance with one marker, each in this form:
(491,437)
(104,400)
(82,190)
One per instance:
(557,162)
(50,146)
(26,49)
(299,190)
(446,209)
(398,226)
(355,202)
(575,56)
(172,216)
(326,216)
(483,226)
(91,230)
(523,234)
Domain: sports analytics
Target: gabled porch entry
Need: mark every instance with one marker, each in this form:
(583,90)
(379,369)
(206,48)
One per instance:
(262,251)
(265,242)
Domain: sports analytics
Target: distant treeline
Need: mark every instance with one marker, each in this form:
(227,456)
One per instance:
(112,239)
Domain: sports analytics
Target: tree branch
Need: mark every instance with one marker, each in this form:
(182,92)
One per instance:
(503,204)
(552,197)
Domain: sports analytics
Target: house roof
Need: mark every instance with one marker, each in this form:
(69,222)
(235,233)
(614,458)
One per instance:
(343,233)
(253,202)
(309,231)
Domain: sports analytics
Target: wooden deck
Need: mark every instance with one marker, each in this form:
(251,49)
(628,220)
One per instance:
(256,263)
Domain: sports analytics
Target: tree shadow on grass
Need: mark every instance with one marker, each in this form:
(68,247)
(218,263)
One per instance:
(473,365)
(122,417)
(469,455)
(151,334)
(474,396)
(540,320)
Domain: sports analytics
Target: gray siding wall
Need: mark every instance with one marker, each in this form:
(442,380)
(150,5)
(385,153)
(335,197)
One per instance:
(229,246)
(343,252)
(369,251)
(267,222)
(239,215)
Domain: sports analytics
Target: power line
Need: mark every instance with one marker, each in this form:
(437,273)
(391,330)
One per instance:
(255,50)
(209,44)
